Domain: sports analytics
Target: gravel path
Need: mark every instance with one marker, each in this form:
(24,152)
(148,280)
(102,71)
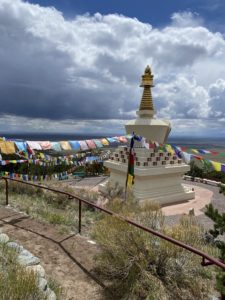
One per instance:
(218,201)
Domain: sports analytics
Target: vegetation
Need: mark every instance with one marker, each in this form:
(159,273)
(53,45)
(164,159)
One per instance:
(139,265)
(51,207)
(15,281)
(222,189)
(205,172)
(56,288)
(32,169)
(219,229)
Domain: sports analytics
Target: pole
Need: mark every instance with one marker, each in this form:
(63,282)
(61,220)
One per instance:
(79,216)
(128,165)
(6,192)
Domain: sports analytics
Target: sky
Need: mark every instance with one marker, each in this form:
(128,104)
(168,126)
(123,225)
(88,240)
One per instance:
(75,66)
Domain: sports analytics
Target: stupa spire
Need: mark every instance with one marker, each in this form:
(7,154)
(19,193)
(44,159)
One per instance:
(147,84)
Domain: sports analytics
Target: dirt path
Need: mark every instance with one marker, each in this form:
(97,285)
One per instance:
(68,259)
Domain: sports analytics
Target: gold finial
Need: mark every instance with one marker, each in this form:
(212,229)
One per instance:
(148,70)
(147,83)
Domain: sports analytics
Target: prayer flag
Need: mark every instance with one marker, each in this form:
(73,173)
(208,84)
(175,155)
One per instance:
(216,165)
(130,170)
(214,152)
(169,149)
(98,143)
(187,157)
(195,151)
(223,168)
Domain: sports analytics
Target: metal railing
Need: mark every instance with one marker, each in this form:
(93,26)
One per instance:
(206,259)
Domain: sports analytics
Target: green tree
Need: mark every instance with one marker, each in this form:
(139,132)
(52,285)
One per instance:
(219,229)
(195,171)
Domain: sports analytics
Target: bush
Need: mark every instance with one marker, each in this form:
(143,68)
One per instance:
(139,265)
(195,171)
(205,172)
(222,189)
(216,233)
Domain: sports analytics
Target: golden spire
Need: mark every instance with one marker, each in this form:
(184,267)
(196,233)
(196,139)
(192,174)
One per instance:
(147,83)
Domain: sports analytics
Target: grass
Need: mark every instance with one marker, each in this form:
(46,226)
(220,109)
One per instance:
(15,281)
(56,288)
(138,265)
(50,207)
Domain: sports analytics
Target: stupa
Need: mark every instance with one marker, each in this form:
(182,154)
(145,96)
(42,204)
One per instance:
(158,174)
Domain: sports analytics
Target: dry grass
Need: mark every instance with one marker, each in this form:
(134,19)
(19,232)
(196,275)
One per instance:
(15,281)
(138,265)
(50,207)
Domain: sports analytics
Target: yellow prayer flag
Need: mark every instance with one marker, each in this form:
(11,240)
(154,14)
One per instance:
(195,151)
(216,166)
(104,142)
(130,180)
(65,145)
(169,149)
(7,147)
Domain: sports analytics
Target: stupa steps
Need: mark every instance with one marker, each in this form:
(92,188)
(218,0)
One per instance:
(155,191)
(164,198)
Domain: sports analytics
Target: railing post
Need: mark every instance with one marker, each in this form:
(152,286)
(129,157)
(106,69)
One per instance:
(222,295)
(79,216)
(6,192)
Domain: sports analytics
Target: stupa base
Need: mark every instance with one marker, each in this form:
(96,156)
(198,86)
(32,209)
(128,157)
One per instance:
(163,195)
(166,196)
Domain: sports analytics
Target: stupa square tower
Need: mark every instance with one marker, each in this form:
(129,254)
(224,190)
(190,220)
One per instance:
(158,174)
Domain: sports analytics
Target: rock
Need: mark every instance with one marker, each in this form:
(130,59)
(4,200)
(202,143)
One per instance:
(37,269)
(211,297)
(208,238)
(27,259)
(42,284)
(4,238)
(15,246)
(50,295)
(191,212)
(25,252)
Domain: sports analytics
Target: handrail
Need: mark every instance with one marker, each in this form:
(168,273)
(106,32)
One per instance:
(206,259)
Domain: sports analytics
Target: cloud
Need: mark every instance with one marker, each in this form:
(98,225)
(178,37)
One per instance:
(186,19)
(217,98)
(184,99)
(88,69)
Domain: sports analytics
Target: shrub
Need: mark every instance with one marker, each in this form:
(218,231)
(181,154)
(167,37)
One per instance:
(216,232)
(139,265)
(221,189)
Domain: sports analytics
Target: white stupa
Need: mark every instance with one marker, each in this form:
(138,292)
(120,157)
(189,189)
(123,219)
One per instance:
(158,174)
